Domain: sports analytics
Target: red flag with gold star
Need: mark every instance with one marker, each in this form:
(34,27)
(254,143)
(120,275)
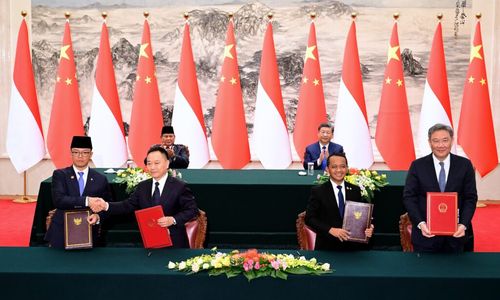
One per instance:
(476,134)
(229,119)
(394,137)
(146,119)
(311,110)
(66,114)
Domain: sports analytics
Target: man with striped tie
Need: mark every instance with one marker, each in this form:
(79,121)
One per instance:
(318,152)
(75,187)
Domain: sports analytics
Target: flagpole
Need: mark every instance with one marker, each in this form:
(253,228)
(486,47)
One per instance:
(24,198)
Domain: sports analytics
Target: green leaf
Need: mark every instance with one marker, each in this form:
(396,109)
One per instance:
(298,271)
(282,275)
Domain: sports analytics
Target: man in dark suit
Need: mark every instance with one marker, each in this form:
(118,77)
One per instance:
(173,195)
(325,210)
(440,171)
(318,152)
(178,154)
(75,187)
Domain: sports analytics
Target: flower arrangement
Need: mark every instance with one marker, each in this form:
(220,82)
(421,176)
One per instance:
(368,181)
(132,176)
(251,264)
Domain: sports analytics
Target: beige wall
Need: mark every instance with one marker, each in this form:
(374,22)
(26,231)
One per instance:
(12,183)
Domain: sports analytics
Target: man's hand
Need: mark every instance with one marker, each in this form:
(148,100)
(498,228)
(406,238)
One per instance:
(339,233)
(93,219)
(170,152)
(166,221)
(369,231)
(323,155)
(460,231)
(425,230)
(97,204)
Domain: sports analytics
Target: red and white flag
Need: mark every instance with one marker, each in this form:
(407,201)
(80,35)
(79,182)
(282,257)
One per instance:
(106,125)
(271,141)
(351,125)
(476,134)
(229,119)
(187,118)
(393,136)
(311,110)
(436,106)
(66,115)
(25,143)
(146,119)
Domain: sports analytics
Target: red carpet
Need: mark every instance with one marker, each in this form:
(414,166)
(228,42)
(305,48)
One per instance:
(15,223)
(486,224)
(16,220)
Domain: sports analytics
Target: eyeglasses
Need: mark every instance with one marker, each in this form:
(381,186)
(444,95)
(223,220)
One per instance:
(80,153)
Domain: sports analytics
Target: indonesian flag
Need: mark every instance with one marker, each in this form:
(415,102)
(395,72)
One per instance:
(436,106)
(394,137)
(229,119)
(25,143)
(271,141)
(106,125)
(66,115)
(475,132)
(187,118)
(351,126)
(311,110)
(146,119)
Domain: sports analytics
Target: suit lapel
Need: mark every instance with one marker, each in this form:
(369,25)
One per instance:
(432,170)
(331,198)
(452,171)
(73,181)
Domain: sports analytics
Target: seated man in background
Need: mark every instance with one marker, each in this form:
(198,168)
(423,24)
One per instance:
(178,154)
(75,187)
(173,195)
(325,210)
(318,152)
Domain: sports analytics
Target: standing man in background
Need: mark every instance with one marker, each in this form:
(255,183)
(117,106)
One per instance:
(178,154)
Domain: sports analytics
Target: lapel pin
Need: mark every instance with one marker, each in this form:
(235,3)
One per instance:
(72,177)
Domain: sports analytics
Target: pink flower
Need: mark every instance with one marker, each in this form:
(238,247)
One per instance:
(245,267)
(257,266)
(275,264)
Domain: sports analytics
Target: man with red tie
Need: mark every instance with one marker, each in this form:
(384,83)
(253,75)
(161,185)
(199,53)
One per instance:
(318,152)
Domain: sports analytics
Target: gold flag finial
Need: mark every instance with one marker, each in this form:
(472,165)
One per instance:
(104,15)
(354,15)
(24,13)
(439,16)
(67,15)
(146,14)
(395,16)
(478,16)
(270,15)
(312,15)
(230,15)
(186,16)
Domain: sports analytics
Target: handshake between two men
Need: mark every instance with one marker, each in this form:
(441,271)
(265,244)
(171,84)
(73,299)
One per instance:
(98,205)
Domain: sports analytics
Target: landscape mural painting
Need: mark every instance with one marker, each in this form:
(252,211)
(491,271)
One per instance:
(208,21)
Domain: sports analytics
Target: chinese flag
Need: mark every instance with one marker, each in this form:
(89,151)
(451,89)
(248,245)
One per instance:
(394,137)
(146,119)
(229,119)
(66,115)
(311,110)
(475,132)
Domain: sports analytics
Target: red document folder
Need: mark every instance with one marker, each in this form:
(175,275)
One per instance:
(153,236)
(442,210)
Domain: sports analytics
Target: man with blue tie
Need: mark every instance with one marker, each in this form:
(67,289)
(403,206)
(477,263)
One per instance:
(75,187)
(440,171)
(325,209)
(176,199)
(318,152)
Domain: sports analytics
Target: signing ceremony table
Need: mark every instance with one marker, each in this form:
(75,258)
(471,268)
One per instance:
(129,273)
(245,208)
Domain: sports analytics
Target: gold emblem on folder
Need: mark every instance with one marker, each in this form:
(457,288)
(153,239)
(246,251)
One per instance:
(77,221)
(442,207)
(357,215)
